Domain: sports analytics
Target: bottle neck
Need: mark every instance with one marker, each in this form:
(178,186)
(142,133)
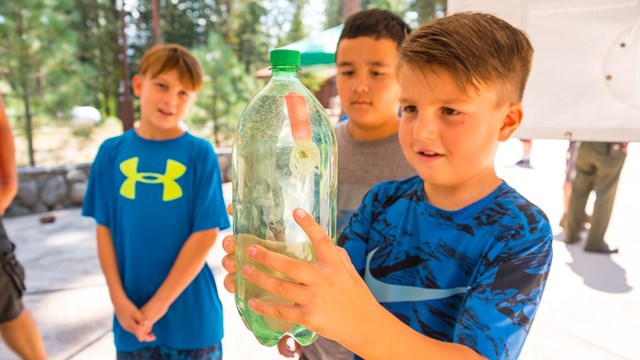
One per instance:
(285,72)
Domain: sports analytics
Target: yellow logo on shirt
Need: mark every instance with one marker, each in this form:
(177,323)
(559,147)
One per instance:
(172,189)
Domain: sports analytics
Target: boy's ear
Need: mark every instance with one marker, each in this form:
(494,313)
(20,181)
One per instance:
(510,122)
(136,84)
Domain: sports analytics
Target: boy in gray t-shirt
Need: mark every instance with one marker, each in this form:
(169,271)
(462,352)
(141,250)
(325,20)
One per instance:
(362,164)
(368,147)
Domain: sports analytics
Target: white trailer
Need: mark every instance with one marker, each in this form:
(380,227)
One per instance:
(585,79)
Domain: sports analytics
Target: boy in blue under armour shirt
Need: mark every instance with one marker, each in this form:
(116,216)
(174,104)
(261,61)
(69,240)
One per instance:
(155,193)
(454,261)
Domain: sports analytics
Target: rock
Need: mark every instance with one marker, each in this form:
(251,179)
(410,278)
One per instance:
(17,210)
(75,176)
(47,218)
(40,208)
(77,192)
(54,191)
(27,192)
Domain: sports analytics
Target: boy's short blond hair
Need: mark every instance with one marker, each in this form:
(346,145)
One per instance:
(475,49)
(166,57)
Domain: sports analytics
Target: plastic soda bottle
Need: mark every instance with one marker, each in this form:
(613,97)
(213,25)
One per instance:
(284,157)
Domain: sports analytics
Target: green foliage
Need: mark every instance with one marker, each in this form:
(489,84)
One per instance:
(55,54)
(226,90)
(333,13)
(252,46)
(96,24)
(398,7)
(297,30)
(427,10)
(32,31)
(311,81)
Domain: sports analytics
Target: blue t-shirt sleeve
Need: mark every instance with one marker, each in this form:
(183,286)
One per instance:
(209,209)
(354,238)
(501,304)
(95,202)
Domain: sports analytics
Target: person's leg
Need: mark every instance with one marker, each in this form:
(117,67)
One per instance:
(568,181)
(17,327)
(22,336)
(526,152)
(526,148)
(606,185)
(582,185)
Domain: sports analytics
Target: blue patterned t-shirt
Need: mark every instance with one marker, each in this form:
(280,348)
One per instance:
(473,276)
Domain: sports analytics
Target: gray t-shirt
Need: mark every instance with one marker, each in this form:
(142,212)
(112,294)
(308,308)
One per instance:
(361,164)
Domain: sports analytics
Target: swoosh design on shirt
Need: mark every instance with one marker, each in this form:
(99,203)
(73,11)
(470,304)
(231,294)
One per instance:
(384,292)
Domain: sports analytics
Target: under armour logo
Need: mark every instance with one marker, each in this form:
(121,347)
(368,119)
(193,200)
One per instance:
(172,189)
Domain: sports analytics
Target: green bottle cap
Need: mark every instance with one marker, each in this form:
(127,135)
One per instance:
(284,57)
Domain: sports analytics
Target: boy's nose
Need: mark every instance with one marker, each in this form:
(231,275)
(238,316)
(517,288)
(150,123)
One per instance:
(424,128)
(360,85)
(361,88)
(171,99)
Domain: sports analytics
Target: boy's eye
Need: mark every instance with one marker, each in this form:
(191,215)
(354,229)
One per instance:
(161,85)
(346,72)
(377,73)
(450,111)
(409,109)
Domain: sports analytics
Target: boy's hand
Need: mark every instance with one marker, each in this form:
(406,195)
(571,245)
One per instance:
(288,347)
(132,320)
(229,262)
(325,293)
(153,311)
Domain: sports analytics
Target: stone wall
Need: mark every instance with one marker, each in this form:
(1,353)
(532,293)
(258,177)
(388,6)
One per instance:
(46,189)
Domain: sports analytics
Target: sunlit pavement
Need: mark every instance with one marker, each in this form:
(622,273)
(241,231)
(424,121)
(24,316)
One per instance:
(589,309)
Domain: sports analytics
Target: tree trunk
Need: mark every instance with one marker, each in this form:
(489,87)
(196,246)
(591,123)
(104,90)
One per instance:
(124,101)
(214,114)
(349,7)
(156,22)
(28,125)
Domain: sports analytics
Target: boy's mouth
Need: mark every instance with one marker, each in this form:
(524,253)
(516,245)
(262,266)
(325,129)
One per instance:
(428,154)
(167,113)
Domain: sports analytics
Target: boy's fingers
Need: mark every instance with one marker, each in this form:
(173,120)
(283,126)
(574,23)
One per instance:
(297,270)
(229,283)
(138,318)
(146,337)
(289,290)
(144,332)
(291,313)
(230,209)
(229,263)
(344,255)
(325,248)
(228,244)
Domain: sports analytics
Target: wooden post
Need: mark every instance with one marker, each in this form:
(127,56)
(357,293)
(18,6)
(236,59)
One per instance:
(125,104)
(349,7)
(157,34)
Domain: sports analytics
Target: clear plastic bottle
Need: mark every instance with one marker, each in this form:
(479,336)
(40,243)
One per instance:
(284,157)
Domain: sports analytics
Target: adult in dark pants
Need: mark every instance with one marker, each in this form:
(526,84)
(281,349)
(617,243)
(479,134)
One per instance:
(17,327)
(598,166)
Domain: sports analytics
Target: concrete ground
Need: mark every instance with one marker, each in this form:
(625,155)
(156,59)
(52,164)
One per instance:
(588,310)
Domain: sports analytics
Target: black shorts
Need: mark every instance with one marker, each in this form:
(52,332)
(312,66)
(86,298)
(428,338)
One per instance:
(11,280)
